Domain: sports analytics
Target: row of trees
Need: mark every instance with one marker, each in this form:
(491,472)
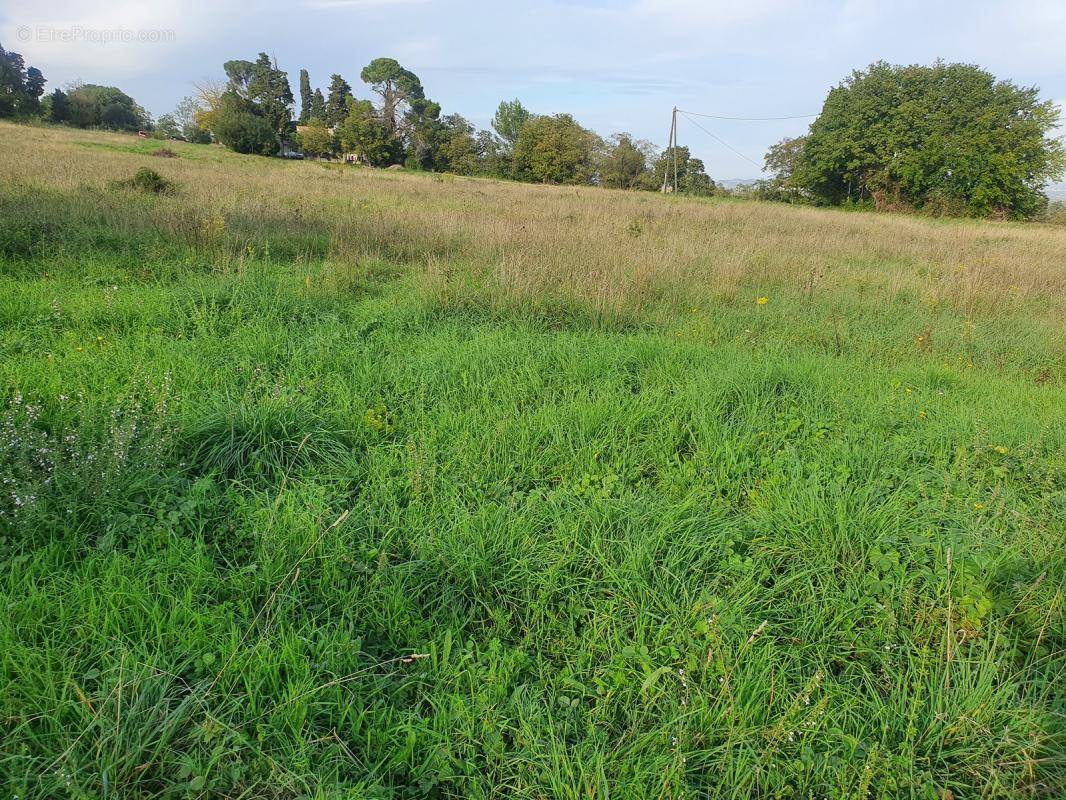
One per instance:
(946,139)
(255,112)
(82,105)
(21,87)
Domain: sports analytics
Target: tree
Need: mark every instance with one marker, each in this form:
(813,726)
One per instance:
(423,129)
(240,125)
(510,117)
(625,163)
(364,134)
(59,106)
(692,176)
(458,151)
(166,127)
(93,106)
(555,149)
(948,138)
(239,73)
(336,107)
(20,87)
(783,159)
(315,139)
(34,88)
(305,96)
(209,96)
(269,88)
(396,86)
(491,159)
(318,105)
(187,116)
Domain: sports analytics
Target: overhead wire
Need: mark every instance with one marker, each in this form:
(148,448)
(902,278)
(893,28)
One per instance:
(720,140)
(747,119)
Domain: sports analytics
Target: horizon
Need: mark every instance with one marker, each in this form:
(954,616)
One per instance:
(615,65)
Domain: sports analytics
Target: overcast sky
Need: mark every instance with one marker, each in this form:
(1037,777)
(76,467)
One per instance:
(616,65)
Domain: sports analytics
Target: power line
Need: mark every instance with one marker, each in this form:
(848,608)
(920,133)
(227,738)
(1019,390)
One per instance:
(721,141)
(748,119)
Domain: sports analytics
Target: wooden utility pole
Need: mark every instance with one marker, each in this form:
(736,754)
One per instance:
(675,149)
(672,145)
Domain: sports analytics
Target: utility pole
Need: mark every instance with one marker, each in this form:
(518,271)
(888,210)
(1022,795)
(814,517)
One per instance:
(672,145)
(675,149)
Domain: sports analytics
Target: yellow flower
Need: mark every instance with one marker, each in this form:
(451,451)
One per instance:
(761,301)
(1001,450)
(978,506)
(921,413)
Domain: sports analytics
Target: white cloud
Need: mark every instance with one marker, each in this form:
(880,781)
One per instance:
(360,3)
(614,64)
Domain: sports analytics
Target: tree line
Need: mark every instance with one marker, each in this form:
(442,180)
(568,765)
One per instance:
(83,105)
(946,139)
(255,111)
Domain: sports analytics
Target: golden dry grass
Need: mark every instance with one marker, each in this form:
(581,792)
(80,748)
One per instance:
(618,251)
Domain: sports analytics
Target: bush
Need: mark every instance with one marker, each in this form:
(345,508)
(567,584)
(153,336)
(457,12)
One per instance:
(240,128)
(149,181)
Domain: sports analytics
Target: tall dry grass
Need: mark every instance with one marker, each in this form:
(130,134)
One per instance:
(618,251)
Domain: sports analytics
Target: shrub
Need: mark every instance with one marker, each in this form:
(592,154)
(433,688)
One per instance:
(240,127)
(149,181)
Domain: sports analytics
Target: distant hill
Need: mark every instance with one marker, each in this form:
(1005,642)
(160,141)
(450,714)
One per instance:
(732,183)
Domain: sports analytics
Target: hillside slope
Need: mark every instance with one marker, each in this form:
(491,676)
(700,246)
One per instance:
(330,482)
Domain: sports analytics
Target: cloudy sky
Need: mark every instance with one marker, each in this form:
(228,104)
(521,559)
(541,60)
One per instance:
(617,65)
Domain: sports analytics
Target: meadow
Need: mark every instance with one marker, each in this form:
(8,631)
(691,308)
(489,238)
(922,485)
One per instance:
(329,482)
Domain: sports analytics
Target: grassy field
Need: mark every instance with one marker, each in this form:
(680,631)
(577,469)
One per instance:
(337,483)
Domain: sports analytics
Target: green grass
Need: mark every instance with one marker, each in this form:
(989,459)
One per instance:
(275,540)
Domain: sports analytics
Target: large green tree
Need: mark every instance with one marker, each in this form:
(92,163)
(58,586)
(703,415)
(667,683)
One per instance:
(336,109)
(458,149)
(239,73)
(396,86)
(510,116)
(93,106)
(58,106)
(318,105)
(948,137)
(315,138)
(269,88)
(555,149)
(625,162)
(240,125)
(21,87)
(365,135)
(781,162)
(423,131)
(692,177)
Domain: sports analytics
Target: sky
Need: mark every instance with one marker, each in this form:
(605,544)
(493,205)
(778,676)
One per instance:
(616,65)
